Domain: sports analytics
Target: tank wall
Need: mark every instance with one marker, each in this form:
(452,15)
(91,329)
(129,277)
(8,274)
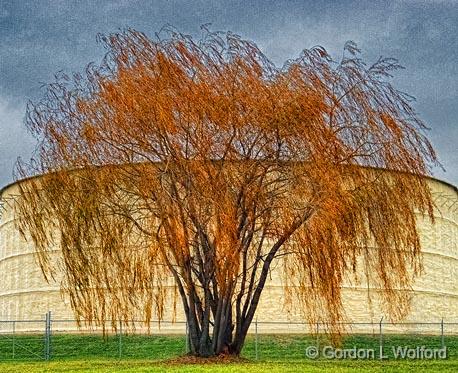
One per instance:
(24,293)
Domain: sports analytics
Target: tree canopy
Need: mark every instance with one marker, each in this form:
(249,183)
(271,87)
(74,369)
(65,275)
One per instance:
(202,161)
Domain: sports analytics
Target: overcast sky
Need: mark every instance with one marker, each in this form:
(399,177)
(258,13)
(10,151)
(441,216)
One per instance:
(39,38)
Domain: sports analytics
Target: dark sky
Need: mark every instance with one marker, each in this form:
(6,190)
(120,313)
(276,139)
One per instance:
(39,38)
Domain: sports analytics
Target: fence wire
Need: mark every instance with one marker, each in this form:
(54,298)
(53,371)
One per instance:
(56,339)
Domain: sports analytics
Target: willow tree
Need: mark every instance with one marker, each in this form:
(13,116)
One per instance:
(203,162)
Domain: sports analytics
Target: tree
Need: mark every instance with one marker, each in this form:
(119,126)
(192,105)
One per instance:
(203,161)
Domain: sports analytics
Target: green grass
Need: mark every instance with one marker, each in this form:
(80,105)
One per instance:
(276,353)
(251,367)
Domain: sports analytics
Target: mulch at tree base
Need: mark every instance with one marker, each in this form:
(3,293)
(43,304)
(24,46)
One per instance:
(220,359)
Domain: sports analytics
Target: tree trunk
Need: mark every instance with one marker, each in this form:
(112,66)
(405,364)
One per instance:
(221,342)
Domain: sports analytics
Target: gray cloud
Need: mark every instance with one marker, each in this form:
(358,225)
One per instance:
(40,38)
(14,139)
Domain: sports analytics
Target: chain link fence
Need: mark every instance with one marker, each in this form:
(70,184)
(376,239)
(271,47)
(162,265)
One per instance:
(56,339)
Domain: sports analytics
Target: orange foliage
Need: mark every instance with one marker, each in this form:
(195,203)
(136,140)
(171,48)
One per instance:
(203,161)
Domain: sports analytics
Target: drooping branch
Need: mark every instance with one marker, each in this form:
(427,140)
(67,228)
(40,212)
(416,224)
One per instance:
(205,163)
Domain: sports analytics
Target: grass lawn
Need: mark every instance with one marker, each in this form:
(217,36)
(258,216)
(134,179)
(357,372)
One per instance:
(276,353)
(271,367)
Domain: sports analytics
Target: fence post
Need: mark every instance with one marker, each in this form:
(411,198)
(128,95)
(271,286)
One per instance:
(381,339)
(187,337)
(256,338)
(48,336)
(120,340)
(14,335)
(317,336)
(442,334)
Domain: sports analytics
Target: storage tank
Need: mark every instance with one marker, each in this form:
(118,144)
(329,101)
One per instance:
(24,294)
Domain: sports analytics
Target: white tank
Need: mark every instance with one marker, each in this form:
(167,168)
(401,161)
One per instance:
(24,294)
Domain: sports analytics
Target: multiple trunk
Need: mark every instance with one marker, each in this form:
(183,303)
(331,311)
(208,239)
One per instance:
(213,329)
(218,321)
